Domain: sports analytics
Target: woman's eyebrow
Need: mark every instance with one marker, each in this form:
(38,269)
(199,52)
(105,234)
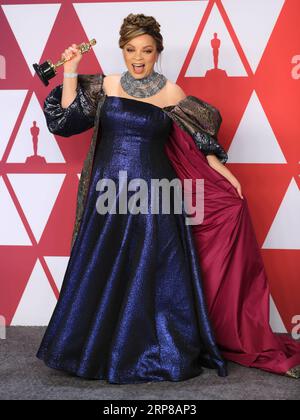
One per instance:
(143,47)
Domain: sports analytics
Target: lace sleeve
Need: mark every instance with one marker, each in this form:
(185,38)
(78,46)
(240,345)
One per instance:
(79,116)
(209,145)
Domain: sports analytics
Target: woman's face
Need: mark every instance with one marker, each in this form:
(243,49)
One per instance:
(140,50)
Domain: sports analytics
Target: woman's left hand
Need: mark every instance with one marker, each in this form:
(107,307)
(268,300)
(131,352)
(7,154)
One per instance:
(214,163)
(238,187)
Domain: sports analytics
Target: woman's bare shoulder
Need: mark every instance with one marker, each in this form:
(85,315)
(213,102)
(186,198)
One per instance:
(175,92)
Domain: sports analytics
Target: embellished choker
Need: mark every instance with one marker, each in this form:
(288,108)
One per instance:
(145,87)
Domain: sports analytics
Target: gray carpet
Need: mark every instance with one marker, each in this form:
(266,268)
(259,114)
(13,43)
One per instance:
(23,376)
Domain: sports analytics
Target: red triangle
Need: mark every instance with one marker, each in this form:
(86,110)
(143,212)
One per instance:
(17,264)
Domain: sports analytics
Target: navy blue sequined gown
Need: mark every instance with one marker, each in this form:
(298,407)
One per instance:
(131,308)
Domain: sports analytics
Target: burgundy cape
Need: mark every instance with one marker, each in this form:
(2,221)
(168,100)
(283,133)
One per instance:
(234,278)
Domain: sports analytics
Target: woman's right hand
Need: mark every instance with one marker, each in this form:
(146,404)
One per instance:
(74,56)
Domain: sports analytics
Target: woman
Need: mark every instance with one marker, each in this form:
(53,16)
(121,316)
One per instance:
(132,306)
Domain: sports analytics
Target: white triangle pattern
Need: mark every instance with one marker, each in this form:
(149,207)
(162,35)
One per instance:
(38,301)
(57,267)
(253,17)
(229,59)
(12,230)
(41,17)
(11,102)
(276,322)
(254,140)
(37,194)
(23,145)
(285,230)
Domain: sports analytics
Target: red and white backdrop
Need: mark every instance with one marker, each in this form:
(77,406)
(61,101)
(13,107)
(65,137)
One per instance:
(254,81)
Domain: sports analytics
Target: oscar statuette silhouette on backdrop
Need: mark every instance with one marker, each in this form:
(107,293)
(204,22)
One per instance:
(35,158)
(216,71)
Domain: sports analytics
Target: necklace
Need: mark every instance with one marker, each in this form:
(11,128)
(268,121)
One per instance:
(145,87)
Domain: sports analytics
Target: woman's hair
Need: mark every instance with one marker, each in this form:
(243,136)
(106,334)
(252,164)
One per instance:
(136,25)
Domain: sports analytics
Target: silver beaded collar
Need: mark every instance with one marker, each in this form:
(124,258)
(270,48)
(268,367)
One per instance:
(145,87)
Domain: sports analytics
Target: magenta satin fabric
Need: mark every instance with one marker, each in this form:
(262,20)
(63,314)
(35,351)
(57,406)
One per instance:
(234,278)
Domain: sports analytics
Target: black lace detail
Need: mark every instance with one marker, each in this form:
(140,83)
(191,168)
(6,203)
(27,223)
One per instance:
(209,146)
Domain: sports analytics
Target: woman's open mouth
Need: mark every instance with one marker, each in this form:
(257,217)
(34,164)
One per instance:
(138,68)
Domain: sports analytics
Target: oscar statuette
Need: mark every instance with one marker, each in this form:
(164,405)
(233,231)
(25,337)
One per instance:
(47,70)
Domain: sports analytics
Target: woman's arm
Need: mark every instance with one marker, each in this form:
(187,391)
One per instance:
(69,87)
(215,163)
(69,91)
(70,108)
(79,115)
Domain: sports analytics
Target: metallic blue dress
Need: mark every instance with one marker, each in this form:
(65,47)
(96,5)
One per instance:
(131,307)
